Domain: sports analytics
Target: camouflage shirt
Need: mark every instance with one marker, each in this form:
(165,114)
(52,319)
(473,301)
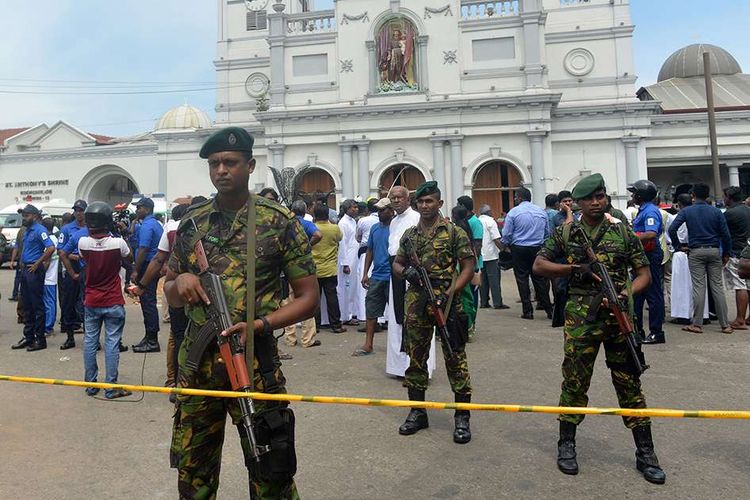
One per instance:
(439,251)
(281,246)
(614,245)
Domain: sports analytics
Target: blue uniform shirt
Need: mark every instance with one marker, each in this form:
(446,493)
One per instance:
(308,226)
(71,245)
(148,237)
(648,219)
(66,232)
(35,242)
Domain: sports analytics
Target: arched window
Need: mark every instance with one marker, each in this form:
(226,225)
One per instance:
(400,175)
(396,56)
(494,185)
(314,184)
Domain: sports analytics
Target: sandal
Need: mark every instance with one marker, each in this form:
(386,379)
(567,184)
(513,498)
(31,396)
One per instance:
(361,352)
(117,393)
(738,326)
(692,329)
(727,329)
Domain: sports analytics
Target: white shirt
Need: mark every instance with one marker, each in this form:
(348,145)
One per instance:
(309,218)
(363,228)
(172,226)
(50,277)
(490,234)
(348,246)
(399,225)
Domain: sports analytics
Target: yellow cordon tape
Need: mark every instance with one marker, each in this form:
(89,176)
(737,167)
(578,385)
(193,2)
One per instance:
(398,403)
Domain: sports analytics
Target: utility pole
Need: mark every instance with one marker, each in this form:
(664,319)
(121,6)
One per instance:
(712,122)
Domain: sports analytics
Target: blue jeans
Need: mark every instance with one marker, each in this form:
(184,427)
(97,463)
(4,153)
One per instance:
(50,307)
(113,318)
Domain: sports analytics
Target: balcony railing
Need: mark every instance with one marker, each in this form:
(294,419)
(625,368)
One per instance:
(305,23)
(572,3)
(482,9)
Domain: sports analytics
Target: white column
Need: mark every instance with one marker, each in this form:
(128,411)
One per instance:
(734,172)
(363,152)
(631,159)
(276,40)
(438,164)
(532,40)
(277,155)
(372,64)
(457,169)
(347,177)
(538,174)
(422,77)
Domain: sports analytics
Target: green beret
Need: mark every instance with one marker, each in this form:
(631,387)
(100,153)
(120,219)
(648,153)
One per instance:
(426,188)
(228,139)
(587,186)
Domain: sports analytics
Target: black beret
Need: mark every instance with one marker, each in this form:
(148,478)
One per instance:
(228,139)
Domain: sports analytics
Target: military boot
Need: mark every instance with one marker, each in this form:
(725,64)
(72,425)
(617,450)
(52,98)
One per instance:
(417,418)
(462,432)
(566,449)
(150,343)
(69,342)
(645,458)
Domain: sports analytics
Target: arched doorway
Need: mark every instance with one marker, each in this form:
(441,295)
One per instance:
(400,175)
(314,184)
(108,183)
(494,184)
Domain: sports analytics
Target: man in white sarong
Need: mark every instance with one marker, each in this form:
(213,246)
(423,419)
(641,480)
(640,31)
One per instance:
(367,219)
(348,276)
(397,361)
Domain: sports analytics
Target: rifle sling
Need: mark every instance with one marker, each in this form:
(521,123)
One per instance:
(250,286)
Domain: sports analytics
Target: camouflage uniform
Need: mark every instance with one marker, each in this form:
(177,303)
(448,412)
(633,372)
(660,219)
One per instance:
(282,245)
(619,249)
(440,253)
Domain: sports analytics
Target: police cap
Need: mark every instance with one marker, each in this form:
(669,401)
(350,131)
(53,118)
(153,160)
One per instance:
(228,139)
(588,186)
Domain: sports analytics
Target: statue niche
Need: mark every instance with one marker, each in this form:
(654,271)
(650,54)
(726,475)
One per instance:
(395,44)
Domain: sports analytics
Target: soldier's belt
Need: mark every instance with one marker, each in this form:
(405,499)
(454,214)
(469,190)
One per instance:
(398,403)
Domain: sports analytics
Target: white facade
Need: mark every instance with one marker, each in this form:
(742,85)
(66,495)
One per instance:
(487,96)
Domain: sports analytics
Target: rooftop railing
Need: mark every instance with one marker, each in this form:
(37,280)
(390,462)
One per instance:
(322,21)
(482,9)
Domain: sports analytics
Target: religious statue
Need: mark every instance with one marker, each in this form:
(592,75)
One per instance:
(395,55)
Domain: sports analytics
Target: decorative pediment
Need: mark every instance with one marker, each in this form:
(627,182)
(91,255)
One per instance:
(62,136)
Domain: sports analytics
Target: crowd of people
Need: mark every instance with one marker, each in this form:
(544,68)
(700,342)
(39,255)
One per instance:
(369,266)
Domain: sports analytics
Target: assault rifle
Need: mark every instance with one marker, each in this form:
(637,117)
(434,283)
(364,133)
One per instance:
(432,302)
(609,292)
(232,351)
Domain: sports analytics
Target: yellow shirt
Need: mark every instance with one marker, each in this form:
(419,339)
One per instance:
(326,252)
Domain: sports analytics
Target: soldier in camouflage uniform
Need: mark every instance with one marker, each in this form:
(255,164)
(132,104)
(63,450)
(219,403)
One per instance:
(620,251)
(282,245)
(442,248)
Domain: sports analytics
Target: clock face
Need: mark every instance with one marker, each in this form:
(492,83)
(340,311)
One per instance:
(256,5)
(256,85)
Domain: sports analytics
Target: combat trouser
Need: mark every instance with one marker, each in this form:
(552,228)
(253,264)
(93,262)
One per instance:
(418,332)
(198,431)
(582,342)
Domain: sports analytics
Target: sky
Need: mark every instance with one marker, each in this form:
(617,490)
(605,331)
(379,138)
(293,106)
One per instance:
(113,68)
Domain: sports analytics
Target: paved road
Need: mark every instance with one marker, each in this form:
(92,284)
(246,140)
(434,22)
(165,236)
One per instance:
(57,443)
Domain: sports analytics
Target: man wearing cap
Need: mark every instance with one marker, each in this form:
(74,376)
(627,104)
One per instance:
(70,291)
(37,249)
(149,235)
(586,329)
(440,248)
(281,246)
(377,284)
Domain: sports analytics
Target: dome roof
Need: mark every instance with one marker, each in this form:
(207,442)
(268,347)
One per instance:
(183,117)
(688,62)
